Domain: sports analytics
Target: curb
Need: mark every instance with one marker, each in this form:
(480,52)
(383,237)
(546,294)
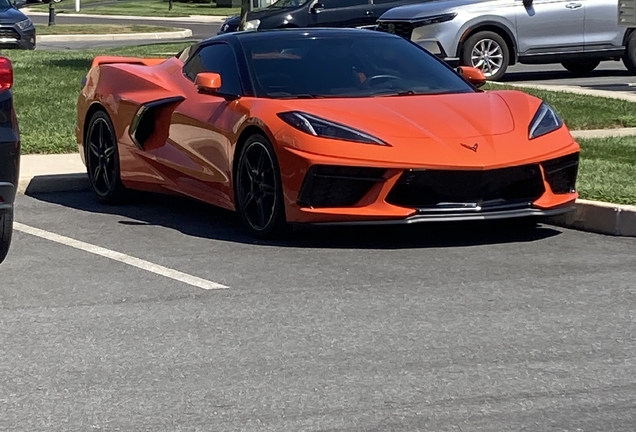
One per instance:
(53,183)
(574,89)
(215,19)
(604,133)
(599,217)
(181,34)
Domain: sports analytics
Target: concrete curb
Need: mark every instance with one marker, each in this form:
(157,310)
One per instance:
(604,133)
(214,19)
(181,34)
(600,217)
(53,183)
(574,89)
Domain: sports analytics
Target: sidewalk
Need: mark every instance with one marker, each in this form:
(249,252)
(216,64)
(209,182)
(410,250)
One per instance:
(191,18)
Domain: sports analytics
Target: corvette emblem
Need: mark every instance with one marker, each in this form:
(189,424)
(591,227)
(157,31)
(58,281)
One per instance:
(473,147)
(391,28)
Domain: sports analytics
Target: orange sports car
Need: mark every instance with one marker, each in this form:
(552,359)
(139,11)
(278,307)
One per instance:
(322,126)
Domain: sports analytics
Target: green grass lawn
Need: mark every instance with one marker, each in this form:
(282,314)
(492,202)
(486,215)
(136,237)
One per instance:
(608,169)
(155,8)
(47,84)
(66,29)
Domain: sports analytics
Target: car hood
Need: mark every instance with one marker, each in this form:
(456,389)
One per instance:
(260,14)
(438,117)
(423,10)
(10,16)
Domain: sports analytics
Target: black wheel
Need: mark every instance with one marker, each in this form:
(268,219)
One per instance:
(582,67)
(258,189)
(102,159)
(488,52)
(629,58)
(6,232)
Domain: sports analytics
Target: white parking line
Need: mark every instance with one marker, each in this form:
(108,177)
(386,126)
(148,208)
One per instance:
(118,256)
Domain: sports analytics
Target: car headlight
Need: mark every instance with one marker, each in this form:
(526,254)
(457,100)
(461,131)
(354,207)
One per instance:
(252,25)
(24,24)
(435,19)
(546,120)
(320,127)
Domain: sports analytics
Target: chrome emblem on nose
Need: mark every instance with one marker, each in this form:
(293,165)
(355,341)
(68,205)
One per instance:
(473,147)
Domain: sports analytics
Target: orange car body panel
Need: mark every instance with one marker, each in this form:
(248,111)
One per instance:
(193,148)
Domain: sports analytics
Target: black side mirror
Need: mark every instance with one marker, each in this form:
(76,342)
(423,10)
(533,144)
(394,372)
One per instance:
(317,7)
(527,3)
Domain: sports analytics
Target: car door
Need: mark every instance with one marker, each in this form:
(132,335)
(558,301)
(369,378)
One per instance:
(550,26)
(198,148)
(341,13)
(602,31)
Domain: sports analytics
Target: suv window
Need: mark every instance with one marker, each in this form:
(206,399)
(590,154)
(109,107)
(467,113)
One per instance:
(217,58)
(336,4)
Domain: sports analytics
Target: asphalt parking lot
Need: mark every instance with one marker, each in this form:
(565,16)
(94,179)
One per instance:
(471,327)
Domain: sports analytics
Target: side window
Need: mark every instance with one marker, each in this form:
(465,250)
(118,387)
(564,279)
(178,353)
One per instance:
(217,58)
(336,4)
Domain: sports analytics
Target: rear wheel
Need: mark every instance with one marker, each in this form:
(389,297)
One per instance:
(629,58)
(258,189)
(583,67)
(102,159)
(6,232)
(488,52)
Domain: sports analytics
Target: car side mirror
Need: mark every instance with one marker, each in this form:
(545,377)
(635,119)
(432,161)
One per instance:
(208,82)
(527,3)
(317,7)
(473,75)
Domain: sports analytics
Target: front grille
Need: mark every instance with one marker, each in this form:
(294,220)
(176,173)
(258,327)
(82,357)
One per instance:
(561,173)
(337,186)
(400,28)
(8,33)
(431,189)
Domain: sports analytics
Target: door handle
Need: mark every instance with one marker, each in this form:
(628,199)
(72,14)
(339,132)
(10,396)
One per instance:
(573,5)
(368,12)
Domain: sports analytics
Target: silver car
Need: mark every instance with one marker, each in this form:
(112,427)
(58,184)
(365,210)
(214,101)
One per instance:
(494,34)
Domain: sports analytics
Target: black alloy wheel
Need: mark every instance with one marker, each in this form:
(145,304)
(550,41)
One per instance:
(102,159)
(258,189)
(6,231)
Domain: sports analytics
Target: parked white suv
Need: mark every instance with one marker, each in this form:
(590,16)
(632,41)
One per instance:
(493,34)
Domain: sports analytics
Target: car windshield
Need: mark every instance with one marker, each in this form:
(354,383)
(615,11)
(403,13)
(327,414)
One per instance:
(288,3)
(307,67)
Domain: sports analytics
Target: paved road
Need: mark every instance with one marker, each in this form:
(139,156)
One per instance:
(199,31)
(358,330)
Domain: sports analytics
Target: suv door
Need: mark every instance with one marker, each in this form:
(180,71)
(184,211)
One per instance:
(550,26)
(341,13)
(601,25)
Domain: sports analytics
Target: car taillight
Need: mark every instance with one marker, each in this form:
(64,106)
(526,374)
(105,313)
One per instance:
(6,74)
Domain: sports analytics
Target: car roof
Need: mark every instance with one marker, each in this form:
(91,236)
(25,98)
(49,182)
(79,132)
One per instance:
(294,33)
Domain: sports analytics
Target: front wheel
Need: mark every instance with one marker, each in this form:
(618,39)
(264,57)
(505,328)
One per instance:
(258,189)
(583,67)
(629,58)
(6,232)
(488,52)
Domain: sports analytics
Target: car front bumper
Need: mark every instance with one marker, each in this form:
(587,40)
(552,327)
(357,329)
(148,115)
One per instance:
(12,37)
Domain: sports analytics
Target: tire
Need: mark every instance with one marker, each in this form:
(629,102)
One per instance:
(629,58)
(6,232)
(102,159)
(498,54)
(258,189)
(582,67)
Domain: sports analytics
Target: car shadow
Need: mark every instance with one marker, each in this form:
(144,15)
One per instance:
(196,219)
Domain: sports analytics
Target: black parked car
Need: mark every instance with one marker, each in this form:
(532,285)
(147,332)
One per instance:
(16,29)
(9,155)
(316,13)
